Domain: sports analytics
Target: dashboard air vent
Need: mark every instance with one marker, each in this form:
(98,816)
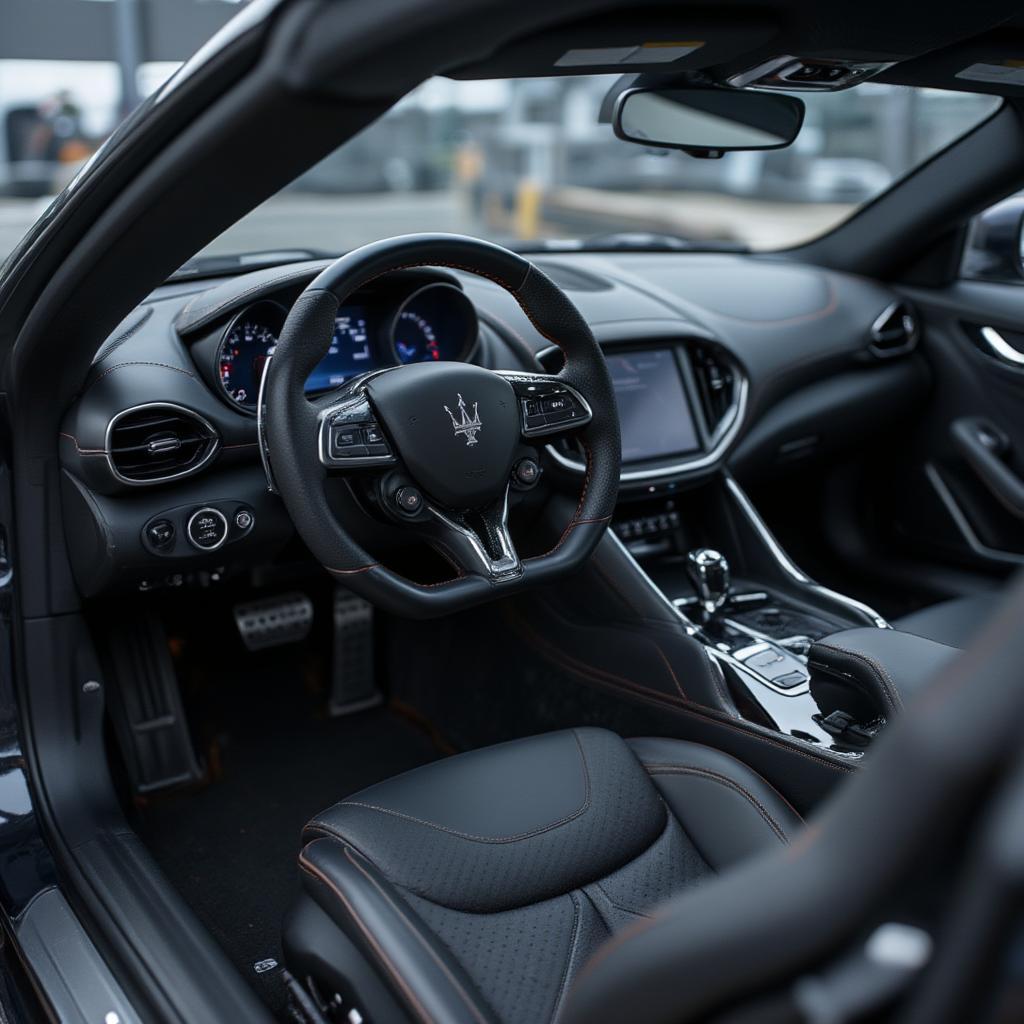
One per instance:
(157,442)
(716,383)
(894,333)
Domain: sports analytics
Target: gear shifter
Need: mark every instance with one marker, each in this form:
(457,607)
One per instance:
(709,572)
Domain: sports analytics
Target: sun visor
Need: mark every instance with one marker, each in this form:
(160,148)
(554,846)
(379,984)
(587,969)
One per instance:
(992,63)
(620,43)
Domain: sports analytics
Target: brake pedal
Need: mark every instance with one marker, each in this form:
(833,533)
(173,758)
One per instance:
(353,682)
(274,621)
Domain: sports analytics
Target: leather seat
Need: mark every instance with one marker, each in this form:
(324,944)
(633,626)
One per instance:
(475,889)
(952,622)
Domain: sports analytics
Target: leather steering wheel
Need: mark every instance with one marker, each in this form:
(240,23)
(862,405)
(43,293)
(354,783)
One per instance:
(452,429)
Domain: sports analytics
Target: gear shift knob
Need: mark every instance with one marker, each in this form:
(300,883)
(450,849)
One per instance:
(709,572)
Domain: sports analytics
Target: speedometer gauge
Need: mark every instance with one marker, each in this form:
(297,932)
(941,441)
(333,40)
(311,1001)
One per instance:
(248,343)
(434,323)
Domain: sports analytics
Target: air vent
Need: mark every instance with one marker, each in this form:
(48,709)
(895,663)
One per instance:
(894,333)
(716,382)
(157,442)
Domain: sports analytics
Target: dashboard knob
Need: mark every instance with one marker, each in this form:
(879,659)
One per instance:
(207,529)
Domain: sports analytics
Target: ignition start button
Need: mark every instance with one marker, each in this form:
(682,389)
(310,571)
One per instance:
(207,529)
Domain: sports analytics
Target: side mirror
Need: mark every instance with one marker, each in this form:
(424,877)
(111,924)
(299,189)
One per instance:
(995,243)
(707,122)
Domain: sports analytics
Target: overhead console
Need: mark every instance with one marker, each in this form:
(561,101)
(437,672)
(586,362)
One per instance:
(681,400)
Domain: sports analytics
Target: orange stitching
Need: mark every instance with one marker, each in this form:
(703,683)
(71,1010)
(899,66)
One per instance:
(470,1003)
(658,769)
(315,872)
(79,448)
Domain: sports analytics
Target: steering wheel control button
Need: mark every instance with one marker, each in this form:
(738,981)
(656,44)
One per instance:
(409,500)
(244,519)
(160,534)
(207,529)
(526,473)
(346,437)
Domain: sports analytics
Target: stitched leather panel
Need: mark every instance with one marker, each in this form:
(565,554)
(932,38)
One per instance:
(519,914)
(484,871)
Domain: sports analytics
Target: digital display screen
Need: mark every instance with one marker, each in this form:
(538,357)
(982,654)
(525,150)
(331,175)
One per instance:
(350,353)
(654,411)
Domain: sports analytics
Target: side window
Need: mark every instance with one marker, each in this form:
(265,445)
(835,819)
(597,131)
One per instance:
(994,250)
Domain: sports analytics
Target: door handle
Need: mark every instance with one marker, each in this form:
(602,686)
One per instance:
(1002,349)
(985,448)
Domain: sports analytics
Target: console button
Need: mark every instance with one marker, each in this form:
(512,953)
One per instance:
(378,450)
(789,680)
(161,533)
(244,519)
(536,420)
(207,529)
(373,435)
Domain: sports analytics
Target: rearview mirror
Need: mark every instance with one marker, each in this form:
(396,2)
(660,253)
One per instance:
(707,122)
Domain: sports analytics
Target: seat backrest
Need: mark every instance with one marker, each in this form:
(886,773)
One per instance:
(913,806)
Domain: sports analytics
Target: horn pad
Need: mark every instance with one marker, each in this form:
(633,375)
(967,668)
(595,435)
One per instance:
(455,426)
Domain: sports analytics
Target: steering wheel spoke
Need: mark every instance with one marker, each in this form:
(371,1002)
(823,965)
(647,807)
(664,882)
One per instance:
(548,406)
(349,435)
(478,543)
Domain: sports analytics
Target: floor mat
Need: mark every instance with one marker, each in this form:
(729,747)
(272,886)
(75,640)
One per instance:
(231,849)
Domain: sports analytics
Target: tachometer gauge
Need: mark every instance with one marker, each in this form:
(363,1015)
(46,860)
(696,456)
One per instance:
(415,341)
(248,343)
(436,322)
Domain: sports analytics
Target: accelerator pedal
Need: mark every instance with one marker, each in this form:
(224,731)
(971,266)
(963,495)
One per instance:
(353,681)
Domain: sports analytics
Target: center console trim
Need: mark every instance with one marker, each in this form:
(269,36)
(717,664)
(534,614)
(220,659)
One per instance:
(786,564)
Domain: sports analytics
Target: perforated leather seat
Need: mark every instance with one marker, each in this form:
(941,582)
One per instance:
(474,889)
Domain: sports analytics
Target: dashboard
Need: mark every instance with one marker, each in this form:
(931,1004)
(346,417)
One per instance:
(719,361)
(431,323)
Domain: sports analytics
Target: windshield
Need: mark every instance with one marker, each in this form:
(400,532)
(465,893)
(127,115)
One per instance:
(526,161)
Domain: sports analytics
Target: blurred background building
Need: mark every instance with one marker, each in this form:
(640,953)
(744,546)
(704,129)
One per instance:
(511,160)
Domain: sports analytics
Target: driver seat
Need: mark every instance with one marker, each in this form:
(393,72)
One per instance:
(579,877)
(479,885)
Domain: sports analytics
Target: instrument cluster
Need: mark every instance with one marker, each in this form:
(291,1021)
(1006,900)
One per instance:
(436,322)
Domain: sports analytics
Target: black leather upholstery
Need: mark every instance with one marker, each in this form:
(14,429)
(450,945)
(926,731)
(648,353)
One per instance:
(887,665)
(951,622)
(478,886)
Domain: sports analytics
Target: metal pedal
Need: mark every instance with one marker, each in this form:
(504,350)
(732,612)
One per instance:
(274,621)
(353,683)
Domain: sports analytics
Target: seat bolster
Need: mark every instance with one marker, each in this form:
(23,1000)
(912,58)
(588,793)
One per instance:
(953,622)
(727,809)
(374,916)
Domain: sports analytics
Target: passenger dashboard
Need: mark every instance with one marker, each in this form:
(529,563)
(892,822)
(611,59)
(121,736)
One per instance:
(719,361)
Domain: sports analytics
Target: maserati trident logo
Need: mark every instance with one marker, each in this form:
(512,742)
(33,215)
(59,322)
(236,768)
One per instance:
(464,425)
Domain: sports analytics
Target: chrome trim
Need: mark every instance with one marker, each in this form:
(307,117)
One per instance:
(722,437)
(786,563)
(508,566)
(1000,347)
(114,420)
(525,377)
(212,511)
(261,429)
(962,523)
(323,430)
(250,409)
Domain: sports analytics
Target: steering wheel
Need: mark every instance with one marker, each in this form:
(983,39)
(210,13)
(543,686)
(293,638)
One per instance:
(454,431)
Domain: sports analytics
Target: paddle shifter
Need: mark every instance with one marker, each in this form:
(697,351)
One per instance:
(709,572)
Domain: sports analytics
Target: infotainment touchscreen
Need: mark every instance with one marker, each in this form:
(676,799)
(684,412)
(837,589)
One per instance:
(654,411)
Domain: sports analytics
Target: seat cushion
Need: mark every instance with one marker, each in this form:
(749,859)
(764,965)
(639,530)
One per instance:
(951,622)
(477,886)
